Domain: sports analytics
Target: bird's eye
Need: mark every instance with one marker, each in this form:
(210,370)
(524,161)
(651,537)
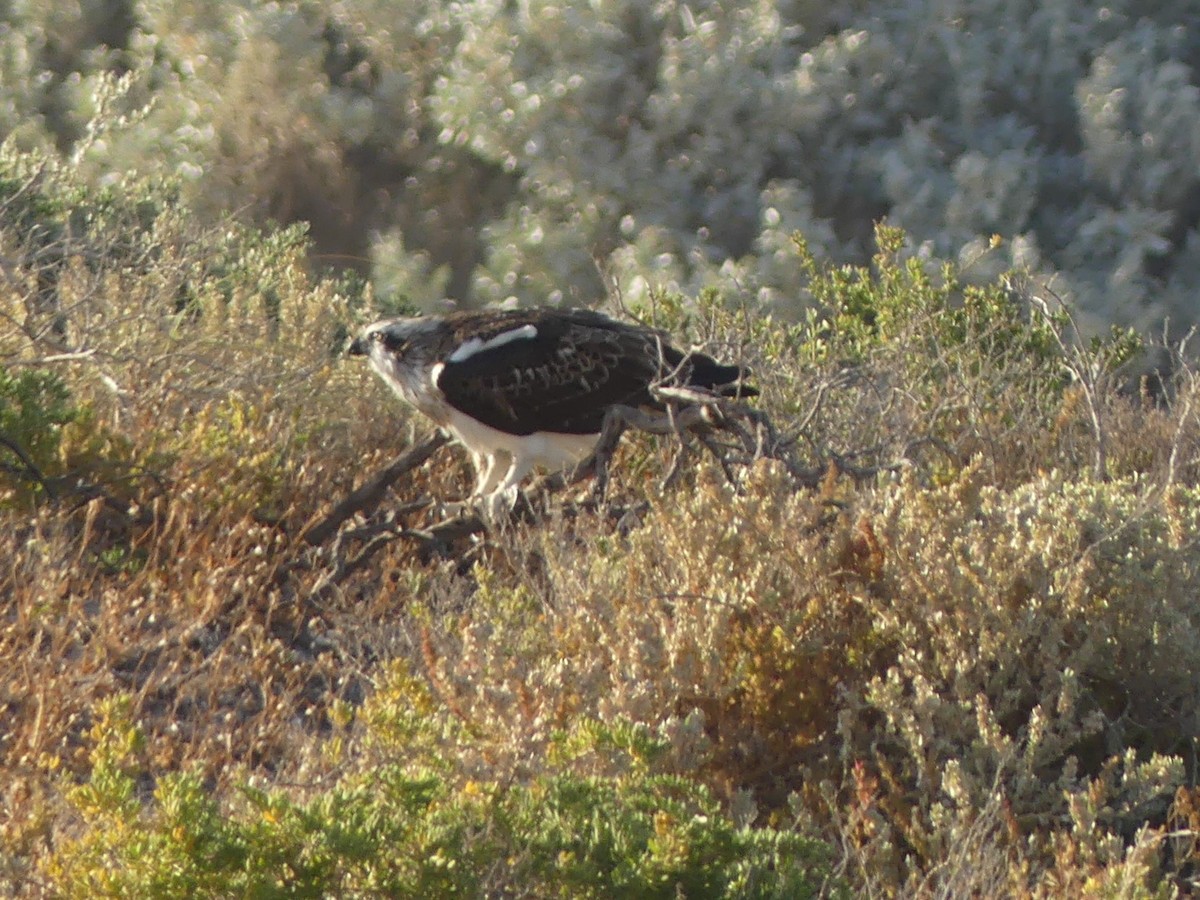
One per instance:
(393,342)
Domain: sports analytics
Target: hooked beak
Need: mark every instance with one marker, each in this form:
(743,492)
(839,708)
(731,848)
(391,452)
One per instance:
(357,347)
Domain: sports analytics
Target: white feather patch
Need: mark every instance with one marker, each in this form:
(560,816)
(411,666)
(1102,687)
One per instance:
(542,448)
(469,348)
(436,372)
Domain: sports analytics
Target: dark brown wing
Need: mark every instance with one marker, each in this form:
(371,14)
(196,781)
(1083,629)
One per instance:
(563,379)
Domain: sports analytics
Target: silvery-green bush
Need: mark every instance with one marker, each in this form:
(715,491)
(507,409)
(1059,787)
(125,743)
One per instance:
(529,151)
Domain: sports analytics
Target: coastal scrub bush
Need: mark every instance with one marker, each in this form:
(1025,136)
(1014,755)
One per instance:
(931,649)
(409,824)
(932,666)
(501,152)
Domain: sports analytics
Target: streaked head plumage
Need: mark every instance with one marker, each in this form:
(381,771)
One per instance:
(402,351)
(399,336)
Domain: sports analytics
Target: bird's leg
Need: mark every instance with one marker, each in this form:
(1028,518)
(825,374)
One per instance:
(521,466)
(496,508)
(490,474)
(615,422)
(503,497)
(484,464)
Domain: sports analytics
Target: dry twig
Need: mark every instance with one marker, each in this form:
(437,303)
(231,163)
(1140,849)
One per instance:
(365,498)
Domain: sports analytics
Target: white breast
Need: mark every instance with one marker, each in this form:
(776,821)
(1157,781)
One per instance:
(542,448)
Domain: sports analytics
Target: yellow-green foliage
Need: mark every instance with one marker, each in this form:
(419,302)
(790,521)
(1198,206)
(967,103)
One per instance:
(410,825)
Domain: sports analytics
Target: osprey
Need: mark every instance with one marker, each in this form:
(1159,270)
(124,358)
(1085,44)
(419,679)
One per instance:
(529,387)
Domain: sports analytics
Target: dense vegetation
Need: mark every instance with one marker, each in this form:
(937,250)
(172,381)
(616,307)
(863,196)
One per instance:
(962,659)
(498,149)
(938,640)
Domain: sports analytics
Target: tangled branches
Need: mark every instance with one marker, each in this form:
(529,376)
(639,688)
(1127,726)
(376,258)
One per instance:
(732,433)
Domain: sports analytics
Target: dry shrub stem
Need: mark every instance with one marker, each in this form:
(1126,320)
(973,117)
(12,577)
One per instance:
(366,497)
(1088,370)
(31,470)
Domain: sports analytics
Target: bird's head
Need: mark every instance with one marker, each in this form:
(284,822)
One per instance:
(399,338)
(403,352)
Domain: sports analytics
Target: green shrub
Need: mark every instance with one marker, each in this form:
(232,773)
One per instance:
(409,825)
(34,407)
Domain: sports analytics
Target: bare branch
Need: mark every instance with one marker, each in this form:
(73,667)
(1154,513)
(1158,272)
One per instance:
(1087,374)
(367,497)
(52,358)
(32,471)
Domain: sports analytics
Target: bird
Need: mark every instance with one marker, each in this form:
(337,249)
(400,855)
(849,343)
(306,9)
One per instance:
(531,387)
